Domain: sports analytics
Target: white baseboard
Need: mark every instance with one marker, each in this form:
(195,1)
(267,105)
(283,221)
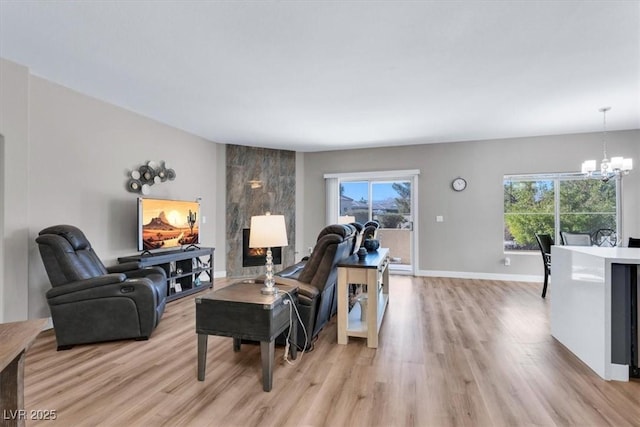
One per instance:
(619,372)
(49,324)
(482,276)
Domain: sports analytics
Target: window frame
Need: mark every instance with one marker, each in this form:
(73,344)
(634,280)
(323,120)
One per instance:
(556,178)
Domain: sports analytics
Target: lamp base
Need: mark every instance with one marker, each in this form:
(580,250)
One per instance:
(269,291)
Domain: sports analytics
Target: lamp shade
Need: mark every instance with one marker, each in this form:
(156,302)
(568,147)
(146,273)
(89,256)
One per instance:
(346,219)
(616,163)
(267,231)
(588,166)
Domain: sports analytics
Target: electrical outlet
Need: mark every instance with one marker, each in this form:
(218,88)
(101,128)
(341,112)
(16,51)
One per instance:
(507,261)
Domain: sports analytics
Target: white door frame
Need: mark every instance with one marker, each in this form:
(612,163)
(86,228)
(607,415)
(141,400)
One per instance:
(333,180)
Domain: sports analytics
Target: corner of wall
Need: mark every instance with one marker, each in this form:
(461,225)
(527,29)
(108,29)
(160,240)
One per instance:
(14,254)
(300,229)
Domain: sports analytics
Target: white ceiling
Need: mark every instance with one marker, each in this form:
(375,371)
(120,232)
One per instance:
(323,75)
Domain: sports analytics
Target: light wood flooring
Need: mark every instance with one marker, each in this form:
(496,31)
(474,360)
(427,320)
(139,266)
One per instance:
(452,353)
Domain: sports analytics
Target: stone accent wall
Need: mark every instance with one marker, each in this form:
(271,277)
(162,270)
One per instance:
(258,180)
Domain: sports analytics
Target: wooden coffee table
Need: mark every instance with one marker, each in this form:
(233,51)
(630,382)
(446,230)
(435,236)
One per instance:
(240,311)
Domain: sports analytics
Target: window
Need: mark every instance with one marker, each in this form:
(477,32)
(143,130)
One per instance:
(549,204)
(354,200)
(529,208)
(390,202)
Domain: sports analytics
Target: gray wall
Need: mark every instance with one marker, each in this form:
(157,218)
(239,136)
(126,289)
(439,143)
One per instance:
(14,219)
(470,238)
(68,163)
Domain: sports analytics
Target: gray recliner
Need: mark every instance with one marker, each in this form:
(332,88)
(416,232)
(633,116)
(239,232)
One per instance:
(92,303)
(370,231)
(316,279)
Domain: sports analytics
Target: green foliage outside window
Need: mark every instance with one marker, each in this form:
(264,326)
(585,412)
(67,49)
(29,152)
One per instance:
(586,206)
(528,209)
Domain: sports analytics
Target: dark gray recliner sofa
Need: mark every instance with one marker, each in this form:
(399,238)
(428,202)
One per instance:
(316,279)
(90,302)
(370,231)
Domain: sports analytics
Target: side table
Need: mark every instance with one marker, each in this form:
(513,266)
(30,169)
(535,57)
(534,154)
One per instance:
(16,338)
(242,312)
(373,272)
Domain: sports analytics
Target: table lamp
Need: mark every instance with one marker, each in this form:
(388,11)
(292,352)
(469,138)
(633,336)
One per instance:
(268,231)
(346,219)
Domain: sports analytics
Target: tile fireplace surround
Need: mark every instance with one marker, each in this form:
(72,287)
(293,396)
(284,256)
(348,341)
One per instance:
(258,180)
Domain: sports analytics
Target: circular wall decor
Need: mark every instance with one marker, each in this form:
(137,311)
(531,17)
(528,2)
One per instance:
(141,179)
(459,184)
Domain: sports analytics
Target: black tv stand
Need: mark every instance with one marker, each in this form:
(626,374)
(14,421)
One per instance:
(191,247)
(188,271)
(146,253)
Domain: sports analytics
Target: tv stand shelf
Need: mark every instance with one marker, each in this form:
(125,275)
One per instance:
(188,271)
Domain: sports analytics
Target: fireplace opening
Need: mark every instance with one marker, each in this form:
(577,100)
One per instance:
(256,257)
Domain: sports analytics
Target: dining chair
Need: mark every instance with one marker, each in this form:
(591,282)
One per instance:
(605,237)
(545,241)
(634,242)
(575,239)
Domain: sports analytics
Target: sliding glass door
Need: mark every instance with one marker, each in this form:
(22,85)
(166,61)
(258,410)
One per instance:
(390,201)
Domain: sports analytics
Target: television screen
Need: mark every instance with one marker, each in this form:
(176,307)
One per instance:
(167,223)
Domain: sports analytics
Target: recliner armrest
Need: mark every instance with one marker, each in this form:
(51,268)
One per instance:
(82,285)
(140,291)
(292,271)
(309,291)
(304,289)
(146,272)
(124,267)
(285,281)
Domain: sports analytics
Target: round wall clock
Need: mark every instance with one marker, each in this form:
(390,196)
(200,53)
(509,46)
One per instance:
(459,184)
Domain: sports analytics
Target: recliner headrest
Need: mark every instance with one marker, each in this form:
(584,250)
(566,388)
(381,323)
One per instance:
(370,230)
(322,259)
(359,227)
(73,235)
(343,230)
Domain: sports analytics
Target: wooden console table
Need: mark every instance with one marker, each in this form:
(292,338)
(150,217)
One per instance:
(16,338)
(373,272)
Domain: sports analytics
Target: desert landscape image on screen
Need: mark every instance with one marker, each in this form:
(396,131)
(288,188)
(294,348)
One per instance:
(169,223)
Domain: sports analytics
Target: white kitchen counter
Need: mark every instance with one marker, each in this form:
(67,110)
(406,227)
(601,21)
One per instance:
(583,309)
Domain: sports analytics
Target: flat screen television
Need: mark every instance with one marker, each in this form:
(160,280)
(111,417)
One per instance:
(164,224)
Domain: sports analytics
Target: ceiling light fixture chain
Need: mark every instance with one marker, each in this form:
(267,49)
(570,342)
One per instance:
(604,166)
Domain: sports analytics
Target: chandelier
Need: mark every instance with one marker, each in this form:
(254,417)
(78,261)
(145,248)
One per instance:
(609,168)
